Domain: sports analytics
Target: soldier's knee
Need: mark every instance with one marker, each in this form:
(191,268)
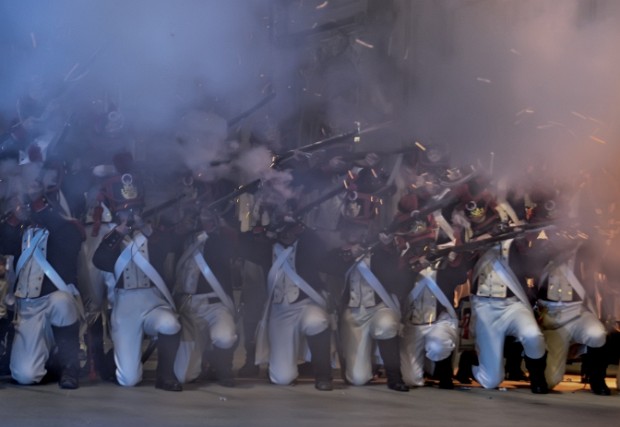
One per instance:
(224,339)
(128,379)
(533,342)
(385,327)
(315,322)
(282,376)
(26,375)
(437,350)
(597,337)
(358,378)
(168,325)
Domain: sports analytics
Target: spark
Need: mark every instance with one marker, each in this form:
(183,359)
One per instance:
(581,116)
(546,126)
(525,111)
(77,64)
(374,173)
(363,43)
(483,80)
(592,119)
(322,5)
(583,235)
(596,139)
(420,146)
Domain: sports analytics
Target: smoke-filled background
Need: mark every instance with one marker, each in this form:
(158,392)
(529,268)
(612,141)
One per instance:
(532,81)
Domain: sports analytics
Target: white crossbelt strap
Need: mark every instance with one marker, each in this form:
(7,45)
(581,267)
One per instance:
(37,255)
(428,281)
(505,274)
(504,206)
(29,251)
(565,269)
(131,252)
(444,225)
(196,245)
(281,264)
(375,284)
(207,273)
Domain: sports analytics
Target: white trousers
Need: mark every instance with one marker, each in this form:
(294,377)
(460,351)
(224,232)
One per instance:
(93,283)
(434,341)
(359,326)
(494,319)
(584,329)
(34,338)
(138,312)
(288,326)
(202,323)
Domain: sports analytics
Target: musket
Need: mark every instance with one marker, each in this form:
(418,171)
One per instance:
(232,122)
(449,198)
(279,158)
(299,212)
(475,245)
(162,206)
(246,188)
(351,136)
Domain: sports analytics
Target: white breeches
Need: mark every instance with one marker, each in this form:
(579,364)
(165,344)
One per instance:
(584,329)
(202,323)
(138,312)
(359,326)
(494,319)
(34,338)
(434,341)
(288,326)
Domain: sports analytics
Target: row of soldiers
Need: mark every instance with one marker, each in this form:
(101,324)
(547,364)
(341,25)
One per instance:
(343,265)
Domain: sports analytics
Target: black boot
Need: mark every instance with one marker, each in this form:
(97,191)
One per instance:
(585,368)
(249,368)
(7,332)
(222,360)
(167,346)
(390,353)
(443,372)
(598,371)
(513,352)
(465,374)
(68,343)
(96,359)
(536,368)
(320,350)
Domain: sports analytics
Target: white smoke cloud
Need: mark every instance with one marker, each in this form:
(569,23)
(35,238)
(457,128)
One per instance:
(528,80)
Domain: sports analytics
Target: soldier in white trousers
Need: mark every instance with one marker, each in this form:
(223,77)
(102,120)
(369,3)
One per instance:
(295,324)
(47,310)
(204,296)
(135,252)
